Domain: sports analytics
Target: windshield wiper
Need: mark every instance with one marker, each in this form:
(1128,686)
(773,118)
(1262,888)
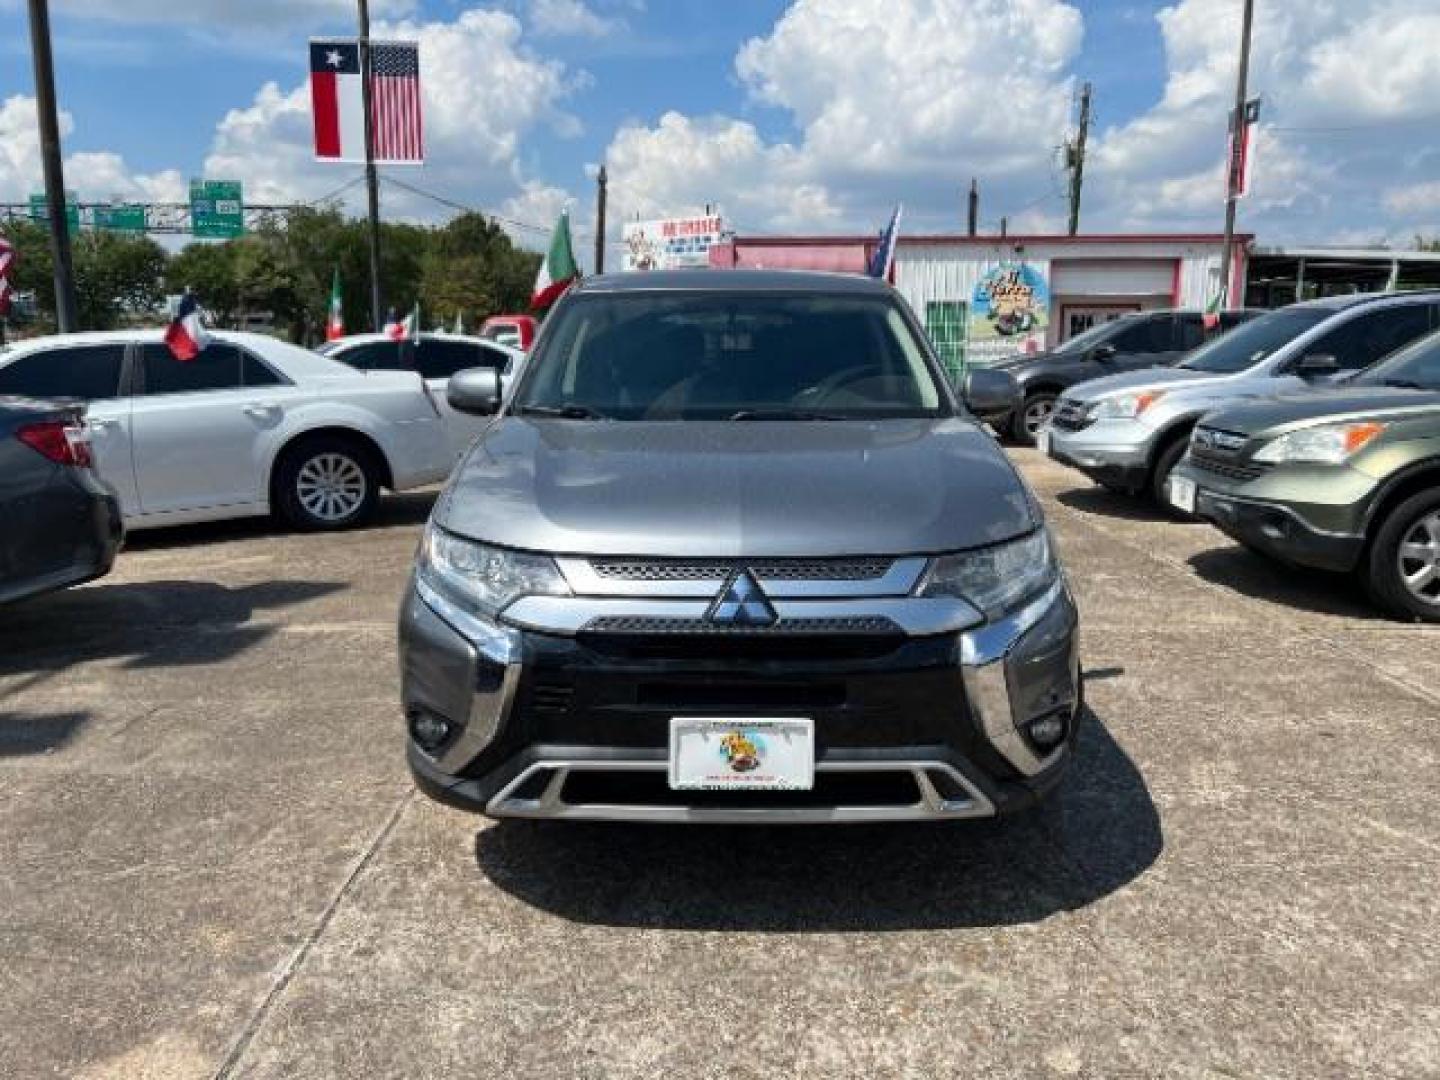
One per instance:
(784,414)
(563,412)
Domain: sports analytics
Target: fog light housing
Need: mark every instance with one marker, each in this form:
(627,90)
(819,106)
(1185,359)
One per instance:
(1047,731)
(429,730)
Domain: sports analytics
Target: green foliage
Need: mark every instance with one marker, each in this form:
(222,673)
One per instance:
(1427,243)
(284,267)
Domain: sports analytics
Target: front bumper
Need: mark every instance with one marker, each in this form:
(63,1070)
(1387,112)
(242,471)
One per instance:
(574,727)
(1112,452)
(1278,528)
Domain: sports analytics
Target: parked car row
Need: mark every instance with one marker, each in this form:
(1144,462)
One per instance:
(1310,434)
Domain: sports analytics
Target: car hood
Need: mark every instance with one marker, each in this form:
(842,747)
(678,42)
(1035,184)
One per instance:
(1346,403)
(733,489)
(1016,361)
(1150,378)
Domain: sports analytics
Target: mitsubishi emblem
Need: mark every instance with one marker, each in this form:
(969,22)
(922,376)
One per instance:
(741,603)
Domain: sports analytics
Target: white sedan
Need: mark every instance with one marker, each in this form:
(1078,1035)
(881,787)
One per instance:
(249,426)
(435,357)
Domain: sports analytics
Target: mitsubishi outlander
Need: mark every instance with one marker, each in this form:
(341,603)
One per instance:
(733,551)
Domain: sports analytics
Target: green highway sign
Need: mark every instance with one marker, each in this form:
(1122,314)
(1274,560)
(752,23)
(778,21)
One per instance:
(216,209)
(120,218)
(39,210)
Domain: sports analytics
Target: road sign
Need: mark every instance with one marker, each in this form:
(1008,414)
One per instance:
(39,210)
(120,218)
(216,209)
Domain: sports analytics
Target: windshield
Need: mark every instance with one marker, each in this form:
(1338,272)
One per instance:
(1093,336)
(730,356)
(1251,342)
(1415,367)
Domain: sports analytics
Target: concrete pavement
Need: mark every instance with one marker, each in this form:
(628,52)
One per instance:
(212,862)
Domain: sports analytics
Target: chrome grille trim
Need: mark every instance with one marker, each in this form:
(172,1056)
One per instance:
(645,625)
(779,578)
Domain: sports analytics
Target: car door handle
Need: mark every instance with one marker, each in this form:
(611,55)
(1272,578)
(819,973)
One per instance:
(101,424)
(262,411)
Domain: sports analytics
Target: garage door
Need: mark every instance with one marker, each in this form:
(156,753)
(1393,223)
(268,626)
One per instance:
(1134,277)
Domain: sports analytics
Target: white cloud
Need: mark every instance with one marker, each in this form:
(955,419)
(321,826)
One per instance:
(1342,86)
(560,18)
(94,177)
(1422,198)
(890,101)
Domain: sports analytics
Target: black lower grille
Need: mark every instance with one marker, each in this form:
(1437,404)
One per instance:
(1228,468)
(881,788)
(740,695)
(1069,416)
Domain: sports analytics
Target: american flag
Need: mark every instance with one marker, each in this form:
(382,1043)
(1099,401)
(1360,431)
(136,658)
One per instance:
(7,260)
(395,101)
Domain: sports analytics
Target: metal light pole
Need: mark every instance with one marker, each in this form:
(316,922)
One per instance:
(65,306)
(372,179)
(1237,136)
(601,181)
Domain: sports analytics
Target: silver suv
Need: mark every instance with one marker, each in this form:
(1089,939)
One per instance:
(1128,431)
(733,551)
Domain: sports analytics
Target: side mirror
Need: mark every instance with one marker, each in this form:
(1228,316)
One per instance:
(1316,366)
(1102,353)
(991,394)
(475,391)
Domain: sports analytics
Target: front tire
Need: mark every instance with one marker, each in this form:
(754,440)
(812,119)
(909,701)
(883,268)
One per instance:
(1401,571)
(1170,456)
(1033,415)
(327,483)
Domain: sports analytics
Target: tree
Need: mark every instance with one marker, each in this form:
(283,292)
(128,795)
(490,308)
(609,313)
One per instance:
(115,274)
(208,270)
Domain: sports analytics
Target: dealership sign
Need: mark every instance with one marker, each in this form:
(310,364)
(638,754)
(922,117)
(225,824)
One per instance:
(1009,310)
(672,242)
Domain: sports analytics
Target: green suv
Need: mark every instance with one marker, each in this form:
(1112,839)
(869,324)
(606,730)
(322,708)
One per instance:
(1344,479)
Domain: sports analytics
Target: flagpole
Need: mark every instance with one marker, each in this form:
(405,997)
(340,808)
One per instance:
(372,179)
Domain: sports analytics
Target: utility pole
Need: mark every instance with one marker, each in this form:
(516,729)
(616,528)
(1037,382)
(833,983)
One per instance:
(372,179)
(601,179)
(1004,227)
(65,307)
(1227,254)
(973,217)
(1075,153)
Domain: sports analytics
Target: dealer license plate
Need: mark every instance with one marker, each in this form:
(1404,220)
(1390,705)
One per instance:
(746,754)
(1042,440)
(1182,494)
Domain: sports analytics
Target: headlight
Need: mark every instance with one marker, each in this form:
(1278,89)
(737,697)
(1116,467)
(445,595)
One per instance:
(484,579)
(1124,406)
(1330,444)
(995,579)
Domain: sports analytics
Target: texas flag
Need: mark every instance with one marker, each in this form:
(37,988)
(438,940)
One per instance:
(337,99)
(187,336)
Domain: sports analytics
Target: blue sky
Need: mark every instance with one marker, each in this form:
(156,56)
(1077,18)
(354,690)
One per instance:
(792,114)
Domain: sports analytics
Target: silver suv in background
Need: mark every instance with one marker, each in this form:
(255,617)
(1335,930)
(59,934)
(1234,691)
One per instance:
(1128,431)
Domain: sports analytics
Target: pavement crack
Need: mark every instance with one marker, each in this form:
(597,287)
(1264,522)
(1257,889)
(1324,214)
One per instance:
(302,952)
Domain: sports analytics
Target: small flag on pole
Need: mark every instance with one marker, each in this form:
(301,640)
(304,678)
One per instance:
(459,322)
(338,103)
(335,323)
(187,336)
(407,328)
(1240,155)
(882,263)
(559,270)
(7,263)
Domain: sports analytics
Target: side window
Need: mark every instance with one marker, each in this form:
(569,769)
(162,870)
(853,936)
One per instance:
(217,368)
(256,373)
(1192,331)
(439,359)
(89,372)
(1366,338)
(391,356)
(1144,336)
(494,359)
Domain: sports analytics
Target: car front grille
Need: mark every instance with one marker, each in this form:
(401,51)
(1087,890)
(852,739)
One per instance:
(1216,451)
(1070,415)
(1230,469)
(654,625)
(719,569)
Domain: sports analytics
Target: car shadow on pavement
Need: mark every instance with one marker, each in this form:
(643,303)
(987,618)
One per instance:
(406,508)
(1260,578)
(1099,500)
(1097,833)
(28,734)
(150,624)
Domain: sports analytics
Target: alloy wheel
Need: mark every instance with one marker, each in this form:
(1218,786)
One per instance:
(331,487)
(1419,559)
(1037,414)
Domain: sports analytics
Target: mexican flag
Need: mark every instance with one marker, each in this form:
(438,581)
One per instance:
(558,271)
(335,324)
(1212,309)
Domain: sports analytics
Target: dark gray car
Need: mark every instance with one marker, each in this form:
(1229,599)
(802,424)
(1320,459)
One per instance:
(732,551)
(62,523)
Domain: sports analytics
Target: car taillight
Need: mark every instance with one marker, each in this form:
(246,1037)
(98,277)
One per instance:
(63,443)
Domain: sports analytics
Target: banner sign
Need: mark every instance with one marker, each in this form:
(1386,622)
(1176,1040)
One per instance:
(337,101)
(1239,154)
(670,243)
(1009,310)
(217,209)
